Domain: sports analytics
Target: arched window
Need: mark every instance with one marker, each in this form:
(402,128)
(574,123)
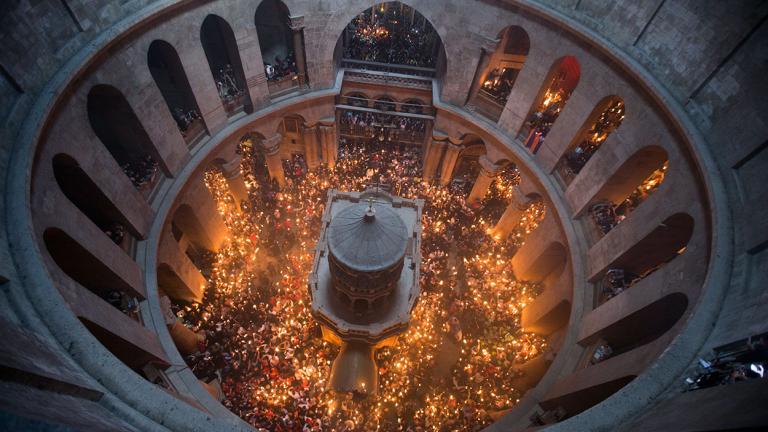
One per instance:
(78,187)
(282,49)
(635,180)
(86,269)
(413,106)
(558,86)
(604,119)
(384,103)
(170,78)
(116,125)
(220,48)
(660,246)
(468,163)
(391,37)
(357,99)
(497,72)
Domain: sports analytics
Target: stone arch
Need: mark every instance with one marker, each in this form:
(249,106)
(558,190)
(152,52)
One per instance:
(559,84)
(385,103)
(601,122)
(221,51)
(83,267)
(116,125)
(345,53)
(638,177)
(657,248)
(171,79)
(88,197)
(186,220)
(468,161)
(497,72)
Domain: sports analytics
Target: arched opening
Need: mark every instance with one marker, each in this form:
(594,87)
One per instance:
(116,125)
(168,73)
(656,249)
(221,50)
(193,238)
(169,283)
(497,72)
(384,103)
(391,37)
(78,187)
(356,99)
(549,263)
(467,165)
(639,328)
(282,48)
(413,106)
(291,128)
(571,404)
(604,119)
(562,79)
(635,180)
(79,264)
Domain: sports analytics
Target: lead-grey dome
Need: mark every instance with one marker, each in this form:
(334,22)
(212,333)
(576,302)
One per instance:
(367,243)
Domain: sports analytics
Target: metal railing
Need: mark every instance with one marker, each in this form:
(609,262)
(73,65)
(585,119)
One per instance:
(389,67)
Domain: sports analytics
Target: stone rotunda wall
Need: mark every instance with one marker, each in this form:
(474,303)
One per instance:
(690,76)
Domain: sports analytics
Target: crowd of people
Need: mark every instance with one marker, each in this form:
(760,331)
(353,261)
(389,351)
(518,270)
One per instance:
(453,369)
(226,83)
(498,84)
(608,120)
(366,124)
(386,36)
(738,362)
(185,118)
(141,172)
(281,68)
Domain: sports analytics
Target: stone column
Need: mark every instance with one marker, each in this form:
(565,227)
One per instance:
(231,171)
(449,163)
(488,171)
(297,28)
(432,158)
(483,69)
(271,148)
(186,341)
(311,146)
(512,214)
(330,143)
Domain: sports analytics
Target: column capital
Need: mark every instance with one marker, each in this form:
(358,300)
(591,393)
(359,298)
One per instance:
(487,167)
(231,168)
(271,145)
(296,23)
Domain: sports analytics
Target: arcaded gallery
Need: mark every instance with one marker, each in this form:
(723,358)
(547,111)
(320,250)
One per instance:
(367,216)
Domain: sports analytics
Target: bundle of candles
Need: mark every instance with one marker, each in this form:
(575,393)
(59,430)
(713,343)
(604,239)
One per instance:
(453,369)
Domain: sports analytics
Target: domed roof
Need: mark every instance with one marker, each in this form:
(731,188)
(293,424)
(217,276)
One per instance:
(366,240)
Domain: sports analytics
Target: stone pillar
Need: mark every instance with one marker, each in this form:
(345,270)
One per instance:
(311,146)
(449,163)
(330,144)
(512,214)
(231,171)
(483,69)
(271,147)
(432,158)
(186,341)
(297,28)
(488,171)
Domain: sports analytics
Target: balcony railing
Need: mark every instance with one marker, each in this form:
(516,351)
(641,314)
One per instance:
(389,67)
(389,107)
(284,85)
(388,79)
